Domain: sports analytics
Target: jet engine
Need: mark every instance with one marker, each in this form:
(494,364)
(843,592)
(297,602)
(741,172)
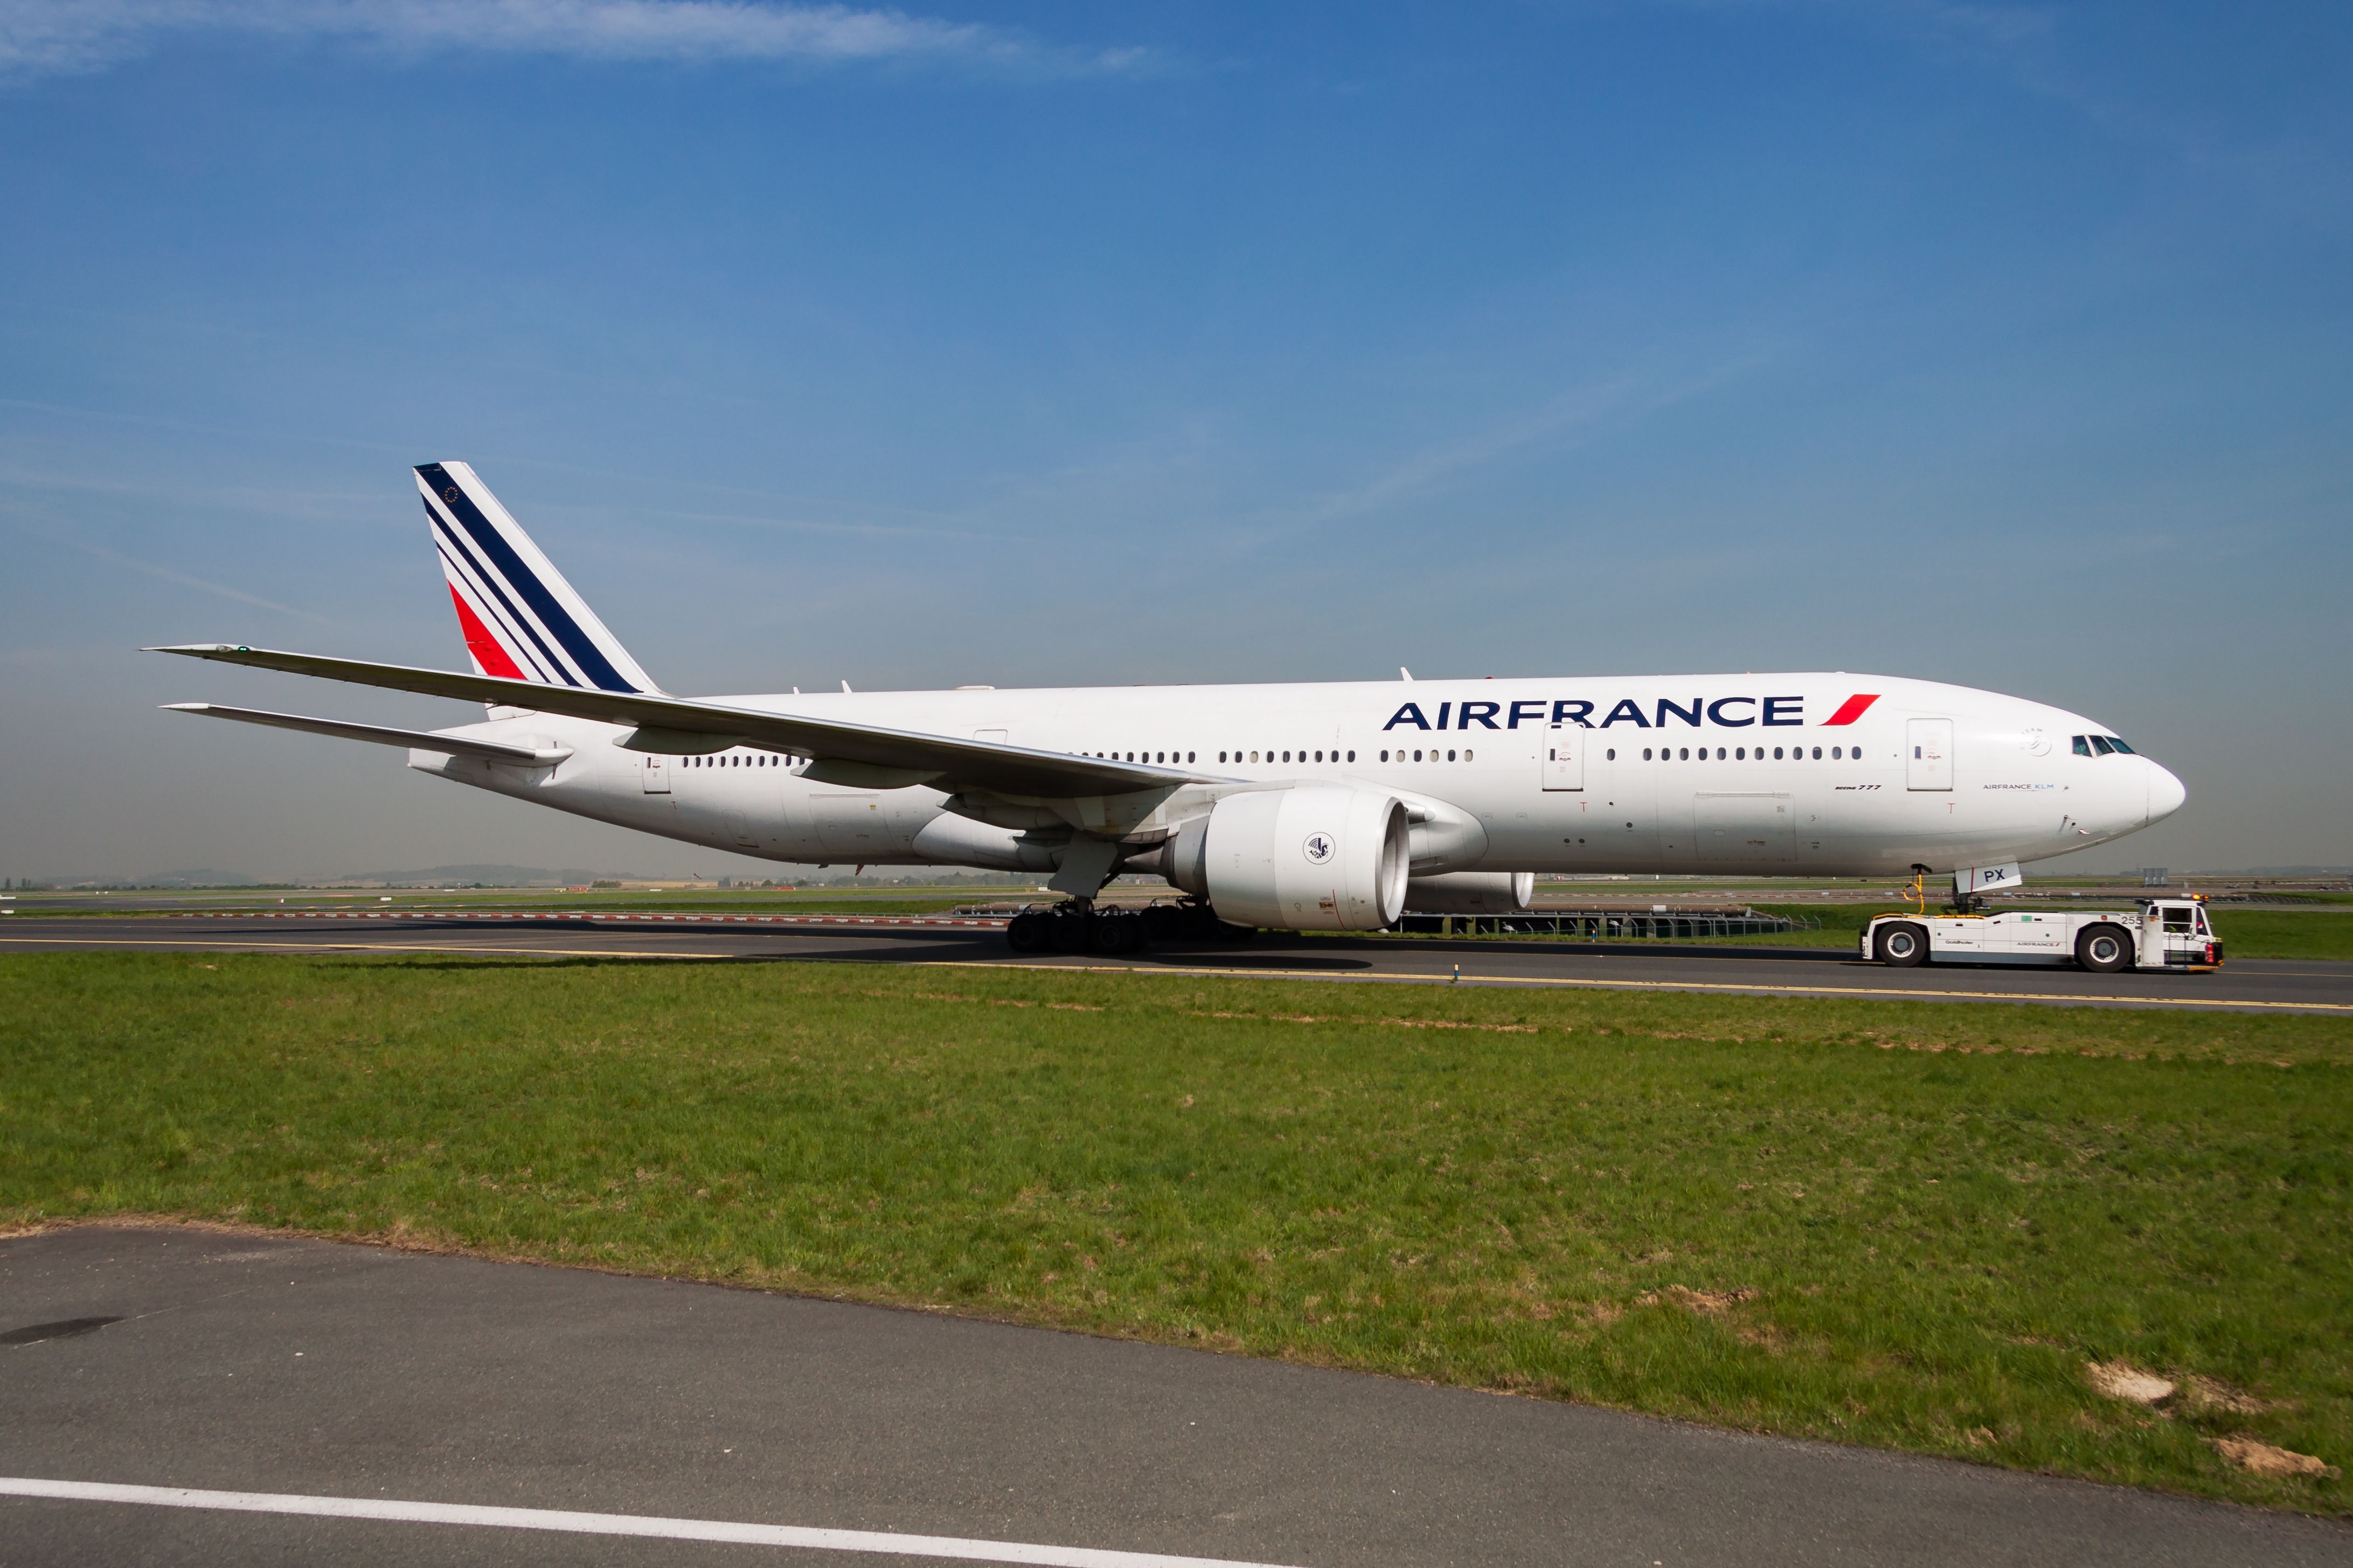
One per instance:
(1314,858)
(1471,893)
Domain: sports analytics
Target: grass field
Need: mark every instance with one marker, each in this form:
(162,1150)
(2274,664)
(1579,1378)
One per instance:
(1910,1225)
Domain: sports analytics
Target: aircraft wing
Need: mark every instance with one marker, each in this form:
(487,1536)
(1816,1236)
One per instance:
(948,761)
(418,740)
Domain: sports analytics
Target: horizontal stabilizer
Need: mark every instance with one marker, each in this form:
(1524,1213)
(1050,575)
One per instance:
(415,740)
(956,763)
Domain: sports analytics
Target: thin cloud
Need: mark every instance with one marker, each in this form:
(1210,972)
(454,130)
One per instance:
(184,579)
(1534,430)
(48,37)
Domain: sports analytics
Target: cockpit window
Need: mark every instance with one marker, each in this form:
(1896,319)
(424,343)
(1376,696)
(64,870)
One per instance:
(2118,744)
(2101,744)
(2083,745)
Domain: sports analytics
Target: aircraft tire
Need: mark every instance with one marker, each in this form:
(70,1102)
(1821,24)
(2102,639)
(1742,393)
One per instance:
(1066,931)
(1900,944)
(1026,933)
(2104,948)
(1115,932)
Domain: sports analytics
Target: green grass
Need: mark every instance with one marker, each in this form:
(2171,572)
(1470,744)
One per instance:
(1904,1224)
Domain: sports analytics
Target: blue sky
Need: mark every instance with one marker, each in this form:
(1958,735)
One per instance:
(2006,344)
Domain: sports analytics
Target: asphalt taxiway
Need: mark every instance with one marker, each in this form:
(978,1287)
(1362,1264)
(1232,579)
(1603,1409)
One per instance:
(304,1379)
(2245,984)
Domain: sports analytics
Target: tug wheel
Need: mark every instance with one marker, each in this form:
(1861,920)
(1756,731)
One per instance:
(2104,949)
(1902,945)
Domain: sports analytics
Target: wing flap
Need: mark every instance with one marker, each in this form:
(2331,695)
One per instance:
(956,763)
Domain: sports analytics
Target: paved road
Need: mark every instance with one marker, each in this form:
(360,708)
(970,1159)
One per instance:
(2250,984)
(284,1366)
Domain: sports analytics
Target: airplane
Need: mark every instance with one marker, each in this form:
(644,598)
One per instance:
(1327,807)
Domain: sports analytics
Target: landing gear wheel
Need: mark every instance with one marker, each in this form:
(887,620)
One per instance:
(1900,945)
(1026,933)
(1067,931)
(1116,932)
(2104,948)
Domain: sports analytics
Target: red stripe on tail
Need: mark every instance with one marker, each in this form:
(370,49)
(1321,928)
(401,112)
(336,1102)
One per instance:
(481,643)
(1851,709)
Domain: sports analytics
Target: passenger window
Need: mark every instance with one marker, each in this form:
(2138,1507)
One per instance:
(1611,755)
(2083,746)
(1466,756)
(1646,754)
(1417,756)
(1352,756)
(1684,754)
(1719,753)
(1384,756)
(1450,756)
(1834,754)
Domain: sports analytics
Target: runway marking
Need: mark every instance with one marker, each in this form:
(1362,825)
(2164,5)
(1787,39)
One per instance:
(1746,987)
(574,1523)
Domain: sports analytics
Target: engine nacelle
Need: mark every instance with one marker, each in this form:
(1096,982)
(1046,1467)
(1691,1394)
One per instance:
(1471,893)
(1313,857)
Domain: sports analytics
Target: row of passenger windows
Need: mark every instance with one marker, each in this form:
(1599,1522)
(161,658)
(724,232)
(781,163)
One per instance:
(1740,753)
(1662,754)
(730,760)
(2087,745)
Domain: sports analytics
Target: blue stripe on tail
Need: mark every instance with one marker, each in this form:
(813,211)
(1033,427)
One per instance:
(509,566)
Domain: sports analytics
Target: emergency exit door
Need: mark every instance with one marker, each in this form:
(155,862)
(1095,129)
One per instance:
(1564,756)
(657,774)
(1928,753)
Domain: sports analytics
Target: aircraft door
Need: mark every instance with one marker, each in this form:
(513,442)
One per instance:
(1563,763)
(657,773)
(1928,753)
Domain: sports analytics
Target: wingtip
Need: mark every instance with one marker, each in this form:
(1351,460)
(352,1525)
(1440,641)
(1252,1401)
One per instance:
(185,707)
(198,650)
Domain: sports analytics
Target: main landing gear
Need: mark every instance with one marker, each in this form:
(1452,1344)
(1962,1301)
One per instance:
(1079,925)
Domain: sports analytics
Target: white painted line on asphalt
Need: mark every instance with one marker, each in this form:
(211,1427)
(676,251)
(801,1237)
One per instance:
(569,1522)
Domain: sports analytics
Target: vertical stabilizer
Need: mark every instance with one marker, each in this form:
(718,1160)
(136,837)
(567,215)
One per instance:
(521,619)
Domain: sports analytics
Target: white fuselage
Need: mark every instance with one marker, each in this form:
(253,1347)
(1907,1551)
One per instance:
(1544,775)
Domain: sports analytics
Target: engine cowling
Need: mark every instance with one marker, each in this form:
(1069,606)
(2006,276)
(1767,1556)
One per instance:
(1314,858)
(1471,893)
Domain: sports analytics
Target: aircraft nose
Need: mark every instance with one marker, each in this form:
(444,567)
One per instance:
(2166,794)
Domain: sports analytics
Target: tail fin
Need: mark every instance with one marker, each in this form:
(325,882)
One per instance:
(521,618)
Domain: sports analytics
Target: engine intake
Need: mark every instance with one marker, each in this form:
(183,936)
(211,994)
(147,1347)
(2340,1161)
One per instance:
(1314,858)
